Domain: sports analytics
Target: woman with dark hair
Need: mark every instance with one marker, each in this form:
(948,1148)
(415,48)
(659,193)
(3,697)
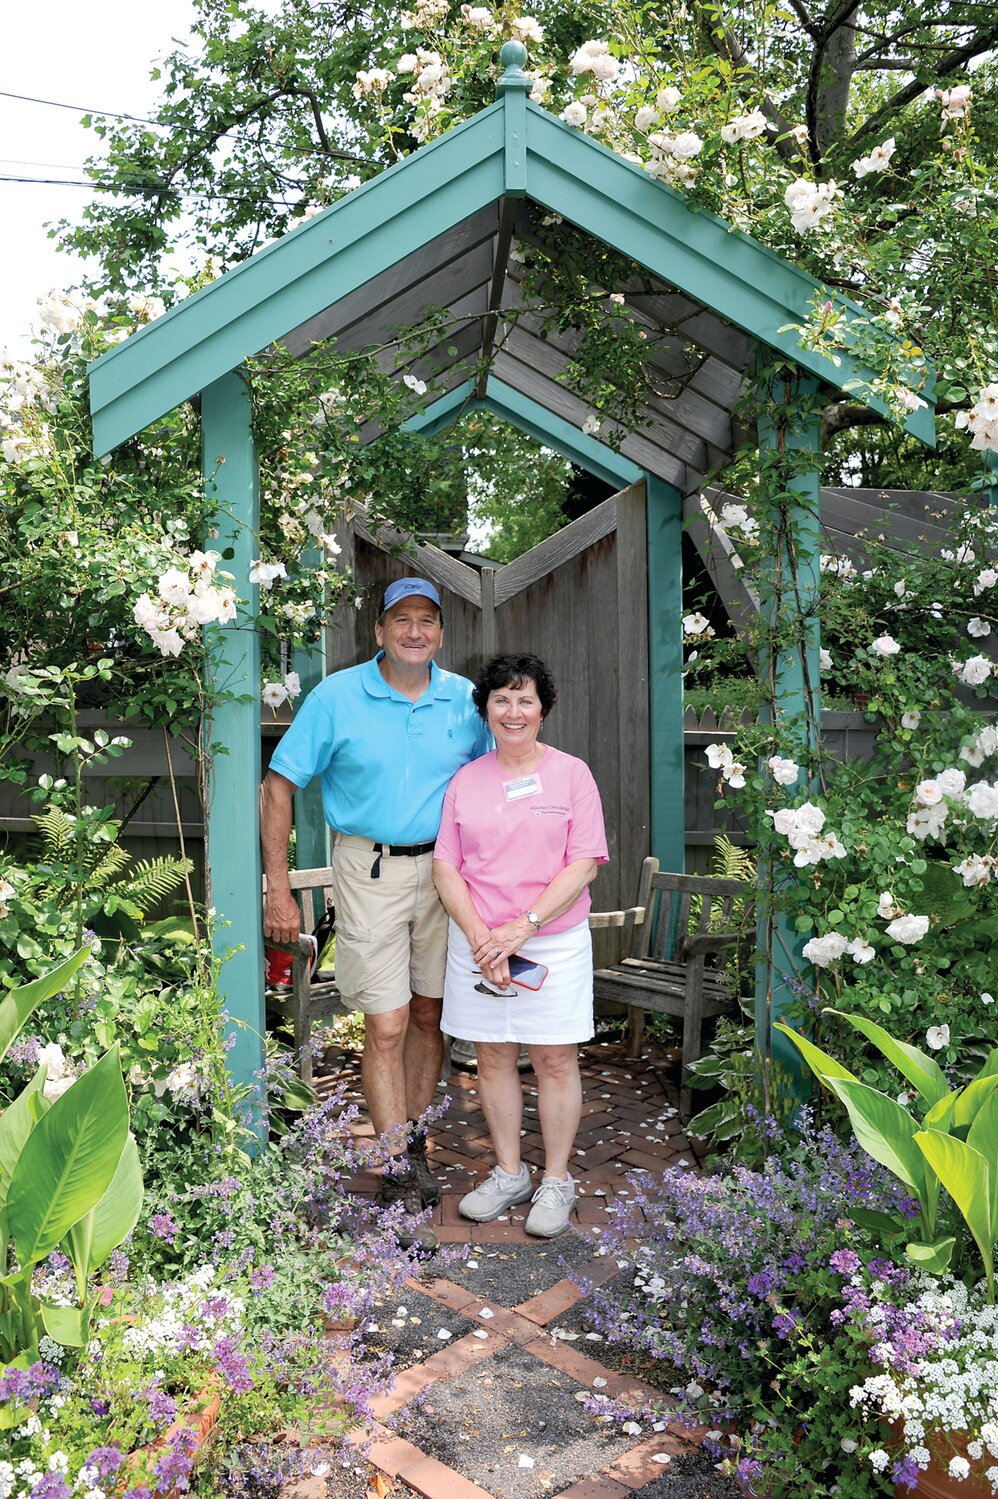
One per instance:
(520,841)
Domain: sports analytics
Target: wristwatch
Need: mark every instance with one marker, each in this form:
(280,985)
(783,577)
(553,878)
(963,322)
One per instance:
(534,919)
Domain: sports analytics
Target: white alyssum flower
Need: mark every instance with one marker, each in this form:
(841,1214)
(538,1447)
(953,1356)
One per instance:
(937,1036)
(885,645)
(908,929)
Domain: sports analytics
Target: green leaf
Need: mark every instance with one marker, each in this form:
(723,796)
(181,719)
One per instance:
(935,1258)
(16,1124)
(68,1325)
(971,1099)
(68,1160)
(921,1070)
(824,1067)
(885,1131)
(964,1173)
(880,1223)
(21,1002)
(117,1213)
(983,1137)
(990,1068)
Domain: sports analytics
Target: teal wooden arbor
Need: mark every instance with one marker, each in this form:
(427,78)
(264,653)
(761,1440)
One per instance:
(438,228)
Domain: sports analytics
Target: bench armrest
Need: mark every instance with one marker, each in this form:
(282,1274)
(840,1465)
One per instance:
(601,920)
(692,947)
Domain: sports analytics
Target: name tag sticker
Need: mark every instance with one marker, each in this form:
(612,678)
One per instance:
(525,786)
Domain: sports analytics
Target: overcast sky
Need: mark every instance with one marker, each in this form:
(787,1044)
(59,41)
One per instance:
(95,56)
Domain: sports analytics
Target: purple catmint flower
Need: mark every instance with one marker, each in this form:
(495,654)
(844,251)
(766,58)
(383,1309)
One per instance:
(231,1364)
(844,1261)
(162,1407)
(51,1486)
(164,1226)
(106,1461)
(261,1279)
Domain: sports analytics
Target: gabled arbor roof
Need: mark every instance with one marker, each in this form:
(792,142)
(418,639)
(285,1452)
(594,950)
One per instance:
(436,230)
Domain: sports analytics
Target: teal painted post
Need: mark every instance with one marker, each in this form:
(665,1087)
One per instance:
(665,672)
(311,833)
(234,867)
(513,88)
(790,599)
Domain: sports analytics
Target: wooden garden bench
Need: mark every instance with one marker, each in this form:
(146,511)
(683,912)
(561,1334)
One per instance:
(310,1000)
(669,949)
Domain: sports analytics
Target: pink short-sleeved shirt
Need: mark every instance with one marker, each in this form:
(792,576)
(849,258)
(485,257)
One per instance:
(509,836)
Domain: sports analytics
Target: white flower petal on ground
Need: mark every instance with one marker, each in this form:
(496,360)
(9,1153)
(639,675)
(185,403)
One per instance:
(524,1461)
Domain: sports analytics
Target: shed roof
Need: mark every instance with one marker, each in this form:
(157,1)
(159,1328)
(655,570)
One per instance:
(437,229)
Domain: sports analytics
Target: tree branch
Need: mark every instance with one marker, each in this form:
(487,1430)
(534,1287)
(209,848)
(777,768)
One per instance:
(951,63)
(825,104)
(723,41)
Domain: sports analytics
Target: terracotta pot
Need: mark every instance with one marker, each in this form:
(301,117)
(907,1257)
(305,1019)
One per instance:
(200,1417)
(935,1482)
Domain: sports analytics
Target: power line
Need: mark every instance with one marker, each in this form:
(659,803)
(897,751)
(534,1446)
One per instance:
(123,191)
(108,114)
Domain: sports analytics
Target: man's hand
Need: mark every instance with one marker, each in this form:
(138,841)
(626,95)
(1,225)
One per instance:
(281,917)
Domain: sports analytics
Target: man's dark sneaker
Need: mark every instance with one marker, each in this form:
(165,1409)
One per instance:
(404,1188)
(429,1191)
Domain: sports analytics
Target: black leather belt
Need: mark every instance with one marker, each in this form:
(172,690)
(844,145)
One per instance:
(407,850)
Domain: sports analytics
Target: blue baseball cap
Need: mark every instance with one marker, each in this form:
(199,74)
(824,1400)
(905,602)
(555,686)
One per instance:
(405,588)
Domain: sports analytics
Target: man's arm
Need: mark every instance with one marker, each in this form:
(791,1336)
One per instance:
(281,916)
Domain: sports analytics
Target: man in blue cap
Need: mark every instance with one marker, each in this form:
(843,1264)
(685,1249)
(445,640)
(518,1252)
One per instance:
(386,737)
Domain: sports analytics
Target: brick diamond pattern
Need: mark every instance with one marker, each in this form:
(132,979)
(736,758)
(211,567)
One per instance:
(629,1123)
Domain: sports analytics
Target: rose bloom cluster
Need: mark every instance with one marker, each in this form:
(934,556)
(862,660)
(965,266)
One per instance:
(946,800)
(981,421)
(802,826)
(186,599)
(827,949)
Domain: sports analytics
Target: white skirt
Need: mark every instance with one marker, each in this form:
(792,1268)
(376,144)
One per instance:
(559,1013)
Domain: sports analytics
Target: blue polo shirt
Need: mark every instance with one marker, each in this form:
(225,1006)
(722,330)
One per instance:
(385,762)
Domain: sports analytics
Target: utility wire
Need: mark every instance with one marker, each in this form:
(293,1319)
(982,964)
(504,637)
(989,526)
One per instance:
(108,114)
(113,187)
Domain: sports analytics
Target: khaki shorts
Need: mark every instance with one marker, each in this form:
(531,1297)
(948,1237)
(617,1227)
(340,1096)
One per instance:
(391,933)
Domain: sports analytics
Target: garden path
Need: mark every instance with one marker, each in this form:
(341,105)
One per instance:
(494,1352)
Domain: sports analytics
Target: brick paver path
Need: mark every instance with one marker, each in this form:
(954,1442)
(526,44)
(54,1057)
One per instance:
(629,1123)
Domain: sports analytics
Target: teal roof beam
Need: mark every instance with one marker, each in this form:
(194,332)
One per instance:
(258,302)
(536,421)
(741,280)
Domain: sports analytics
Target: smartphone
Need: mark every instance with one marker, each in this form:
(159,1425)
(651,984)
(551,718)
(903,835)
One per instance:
(525,974)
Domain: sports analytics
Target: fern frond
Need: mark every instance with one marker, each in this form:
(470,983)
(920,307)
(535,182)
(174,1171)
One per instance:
(110,864)
(732,862)
(152,880)
(56,829)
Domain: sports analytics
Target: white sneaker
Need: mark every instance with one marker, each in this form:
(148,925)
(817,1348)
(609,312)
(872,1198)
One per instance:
(552,1203)
(500,1190)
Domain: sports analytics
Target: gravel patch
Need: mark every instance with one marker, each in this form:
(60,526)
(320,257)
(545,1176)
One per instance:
(409,1327)
(579,1326)
(510,1273)
(514,1426)
(691,1476)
